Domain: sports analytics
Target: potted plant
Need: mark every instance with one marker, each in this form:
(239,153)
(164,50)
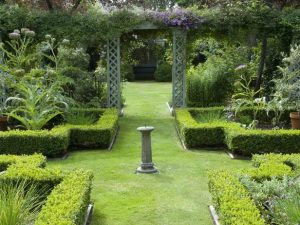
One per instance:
(3,118)
(288,86)
(295,116)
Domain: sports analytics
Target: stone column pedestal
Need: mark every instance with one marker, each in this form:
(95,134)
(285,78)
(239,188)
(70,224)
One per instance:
(147,165)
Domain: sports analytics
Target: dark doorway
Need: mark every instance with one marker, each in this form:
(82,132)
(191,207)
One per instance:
(147,62)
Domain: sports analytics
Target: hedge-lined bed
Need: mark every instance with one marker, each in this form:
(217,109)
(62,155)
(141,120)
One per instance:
(232,199)
(68,194)
(58,140)
(237,139)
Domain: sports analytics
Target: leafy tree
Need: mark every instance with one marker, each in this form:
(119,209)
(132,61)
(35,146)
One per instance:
(70,5)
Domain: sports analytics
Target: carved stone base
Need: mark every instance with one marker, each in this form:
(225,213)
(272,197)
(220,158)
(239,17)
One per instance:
(147,168)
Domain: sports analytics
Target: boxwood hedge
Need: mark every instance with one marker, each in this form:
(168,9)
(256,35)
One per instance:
(68,193)
(236,138)
(68,202)
(58,140)
(97,135)
(233,201)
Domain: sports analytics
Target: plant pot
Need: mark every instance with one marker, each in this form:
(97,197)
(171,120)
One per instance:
(3,123)
(295,120)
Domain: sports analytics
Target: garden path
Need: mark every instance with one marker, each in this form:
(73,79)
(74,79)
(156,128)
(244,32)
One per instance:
(178,195)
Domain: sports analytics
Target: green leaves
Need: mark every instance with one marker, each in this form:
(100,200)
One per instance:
(19,203)
(36,104)
(287,87)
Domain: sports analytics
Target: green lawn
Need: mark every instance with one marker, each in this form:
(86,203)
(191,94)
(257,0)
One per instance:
(178,195)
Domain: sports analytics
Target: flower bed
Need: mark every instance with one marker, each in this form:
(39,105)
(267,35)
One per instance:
(235,201)
(64,189)
(58,140)
(238,139)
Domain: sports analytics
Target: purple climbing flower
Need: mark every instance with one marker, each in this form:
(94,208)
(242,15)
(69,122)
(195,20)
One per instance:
(178,18)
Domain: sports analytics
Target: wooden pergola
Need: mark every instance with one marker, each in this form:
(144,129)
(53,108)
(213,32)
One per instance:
(178,68)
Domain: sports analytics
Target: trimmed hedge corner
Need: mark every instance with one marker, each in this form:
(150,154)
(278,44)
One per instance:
(238,139)
(97,135)
(35,160)
(57,141)
(69,193)
(68,202)
(233,201)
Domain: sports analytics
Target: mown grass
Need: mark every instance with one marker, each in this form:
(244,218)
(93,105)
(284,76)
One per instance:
(178,195)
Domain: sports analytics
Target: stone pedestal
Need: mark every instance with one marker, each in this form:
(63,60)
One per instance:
(147,165)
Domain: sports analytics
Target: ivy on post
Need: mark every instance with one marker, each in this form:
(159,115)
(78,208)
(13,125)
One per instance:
(113,73)
(179,66)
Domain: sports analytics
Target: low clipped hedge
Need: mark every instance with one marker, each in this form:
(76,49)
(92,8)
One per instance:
(195,134)
(53,142)
(233,201)
(30,169)
(245,142)
(57,141)
(68,193)
(238,139)
(35,160)
(97,135)
(68,202)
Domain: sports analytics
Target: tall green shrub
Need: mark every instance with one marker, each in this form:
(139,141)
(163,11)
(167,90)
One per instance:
(210,83)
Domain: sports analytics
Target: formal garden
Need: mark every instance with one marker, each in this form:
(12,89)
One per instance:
(150,112)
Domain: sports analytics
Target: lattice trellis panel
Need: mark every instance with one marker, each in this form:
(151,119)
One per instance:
(113,73)
(179,66)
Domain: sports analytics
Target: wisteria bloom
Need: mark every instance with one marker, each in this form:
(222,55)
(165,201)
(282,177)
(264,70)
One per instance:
(178,18)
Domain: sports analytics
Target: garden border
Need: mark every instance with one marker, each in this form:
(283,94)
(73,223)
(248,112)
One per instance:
(224,185)
(89,214)
(237,139)
(214,215)
(32,169)
(114,139)
(57,141)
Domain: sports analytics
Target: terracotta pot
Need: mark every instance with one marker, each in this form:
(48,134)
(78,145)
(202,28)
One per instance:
(295,120)
(3,123)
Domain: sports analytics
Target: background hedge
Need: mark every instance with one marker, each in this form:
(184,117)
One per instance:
(238,139)
(246,142)
(57,141)
(50,143)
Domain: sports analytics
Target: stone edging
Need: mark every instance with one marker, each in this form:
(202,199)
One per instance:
(180,139)
(234,156)
(170,108)
(88,214)
(64,157)
(114,139)
(214,215)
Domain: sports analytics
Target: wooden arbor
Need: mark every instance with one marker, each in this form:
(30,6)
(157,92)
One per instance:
(178,69)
